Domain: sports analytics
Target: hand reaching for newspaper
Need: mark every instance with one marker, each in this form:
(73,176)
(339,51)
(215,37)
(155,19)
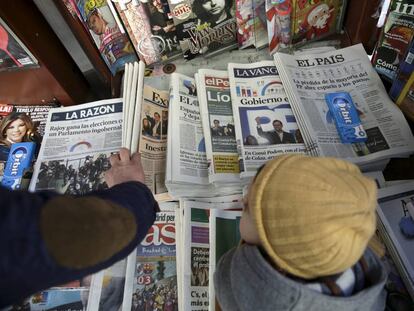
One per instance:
(124,168)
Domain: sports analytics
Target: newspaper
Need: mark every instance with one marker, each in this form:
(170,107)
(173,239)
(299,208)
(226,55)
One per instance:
(224,235)
(264,122)
(307,78)
(153,137)
(107,288)
(218,124)
(396,226)
(71,296)
(151,280)
(186,160)
(194,252)
(76,147)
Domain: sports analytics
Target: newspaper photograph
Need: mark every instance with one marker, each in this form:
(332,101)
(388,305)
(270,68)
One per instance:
(307,78)
(188,151)
(264,122)
(107,288)
(152,274)
(153,138)
(218,124)
(77,145)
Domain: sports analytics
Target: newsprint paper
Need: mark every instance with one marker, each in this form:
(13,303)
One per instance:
(307,78)
(218,124)
(264,122)
(76,147)
(153,137)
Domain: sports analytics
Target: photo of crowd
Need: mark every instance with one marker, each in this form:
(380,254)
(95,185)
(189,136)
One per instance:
(159,291)
(75,176)
(155,125)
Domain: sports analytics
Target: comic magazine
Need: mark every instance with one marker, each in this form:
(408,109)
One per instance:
(151,29)
(204,27)
(312,19)
(112,42)
(395,38)
(151,282)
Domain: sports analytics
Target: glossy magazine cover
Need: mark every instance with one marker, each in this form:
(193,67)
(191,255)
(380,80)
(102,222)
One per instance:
(204,27)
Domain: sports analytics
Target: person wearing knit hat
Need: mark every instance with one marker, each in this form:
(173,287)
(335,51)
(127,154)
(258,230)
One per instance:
(306,227)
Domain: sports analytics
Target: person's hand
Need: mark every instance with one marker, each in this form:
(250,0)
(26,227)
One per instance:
(124,168)
(258,120)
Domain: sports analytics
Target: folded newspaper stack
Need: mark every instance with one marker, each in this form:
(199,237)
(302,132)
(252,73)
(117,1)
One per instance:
(307,78)
(396,227)
(265,125)
(197,253)
(187,165)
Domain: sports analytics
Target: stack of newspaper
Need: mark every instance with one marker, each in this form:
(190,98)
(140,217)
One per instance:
(187,165)
(264,122)
(308,77)
(195,264)
(396,227)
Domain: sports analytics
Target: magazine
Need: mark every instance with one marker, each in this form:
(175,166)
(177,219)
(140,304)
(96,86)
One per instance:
(153,138)
(218,125)
(112,42)
(308,77)
(151,281)
(396,226)
(76,147)
(395,38)
(151,29)
(13,53)
(264,122)
(34,120)
(224,235)
(204,28)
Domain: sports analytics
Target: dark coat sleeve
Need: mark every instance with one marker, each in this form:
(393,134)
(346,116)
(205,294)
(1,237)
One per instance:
(26,266)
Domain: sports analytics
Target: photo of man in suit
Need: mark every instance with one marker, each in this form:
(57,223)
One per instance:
(278,136)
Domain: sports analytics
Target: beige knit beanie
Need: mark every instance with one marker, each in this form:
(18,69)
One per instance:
(315,216)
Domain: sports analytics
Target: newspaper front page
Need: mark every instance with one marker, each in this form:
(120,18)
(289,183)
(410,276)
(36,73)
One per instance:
(76,147)
(307,78)
(153,138)
(218,124)
(264,122)
(151,281)
(188,162)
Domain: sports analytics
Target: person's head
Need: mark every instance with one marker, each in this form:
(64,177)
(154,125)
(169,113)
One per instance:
(212,9)
(216,123)
(97,23)
(145,123)
(312,216)
(278,125)
(165,115)
(16,128)
(158,5)
(251,140)
(157,116)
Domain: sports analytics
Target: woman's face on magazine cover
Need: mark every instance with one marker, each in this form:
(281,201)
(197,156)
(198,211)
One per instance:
(214,7)
(16,131)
